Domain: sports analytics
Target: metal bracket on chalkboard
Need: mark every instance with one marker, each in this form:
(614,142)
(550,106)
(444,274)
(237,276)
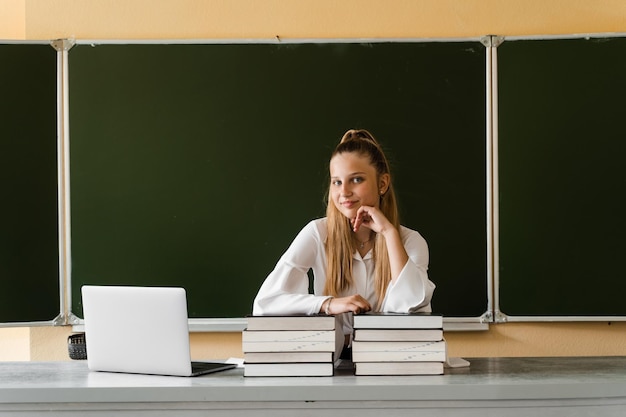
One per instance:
(63,44)
(501,317)
(487,317)
(492,41)
(65,319)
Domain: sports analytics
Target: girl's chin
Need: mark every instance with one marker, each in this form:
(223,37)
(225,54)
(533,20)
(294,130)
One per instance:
(349,214)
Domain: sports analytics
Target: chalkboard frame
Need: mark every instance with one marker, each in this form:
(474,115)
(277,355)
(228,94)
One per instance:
(57,317)
(66,316)
(500,315)
(237,323)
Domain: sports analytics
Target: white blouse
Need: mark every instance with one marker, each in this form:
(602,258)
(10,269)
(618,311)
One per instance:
(286,289)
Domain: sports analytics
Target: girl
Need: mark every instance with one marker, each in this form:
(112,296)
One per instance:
(362,259)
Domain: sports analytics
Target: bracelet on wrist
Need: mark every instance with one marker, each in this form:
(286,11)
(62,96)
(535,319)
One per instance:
(327,309)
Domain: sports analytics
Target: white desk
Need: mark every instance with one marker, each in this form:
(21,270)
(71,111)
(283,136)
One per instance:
(490,387)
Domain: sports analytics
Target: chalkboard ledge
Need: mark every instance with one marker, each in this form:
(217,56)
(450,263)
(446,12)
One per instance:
(218,325)
(503,318)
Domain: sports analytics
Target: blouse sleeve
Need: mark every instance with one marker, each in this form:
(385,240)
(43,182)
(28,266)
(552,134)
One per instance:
(286,289)
(412,290)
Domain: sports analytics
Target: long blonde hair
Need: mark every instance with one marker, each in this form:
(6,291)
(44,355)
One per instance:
(340,245)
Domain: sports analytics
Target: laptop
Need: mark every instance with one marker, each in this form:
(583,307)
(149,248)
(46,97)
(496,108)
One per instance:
(141,330)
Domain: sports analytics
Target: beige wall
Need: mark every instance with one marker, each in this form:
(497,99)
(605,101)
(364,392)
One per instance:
(306,19)
(512,339)
(12,19)
(14,344)
(203,19)
(541,339)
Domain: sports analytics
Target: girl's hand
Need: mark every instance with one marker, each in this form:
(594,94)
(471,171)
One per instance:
(372,218)
(354,303)
(375,220)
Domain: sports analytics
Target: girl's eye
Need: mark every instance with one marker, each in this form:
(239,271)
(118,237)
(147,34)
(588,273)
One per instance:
(357,180)
(336,183)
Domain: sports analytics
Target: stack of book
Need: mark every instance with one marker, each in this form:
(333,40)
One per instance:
(398,344)
(292,345)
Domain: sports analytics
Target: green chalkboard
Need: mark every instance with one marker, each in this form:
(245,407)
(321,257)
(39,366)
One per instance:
(562,153)
(196,165)
(28,241)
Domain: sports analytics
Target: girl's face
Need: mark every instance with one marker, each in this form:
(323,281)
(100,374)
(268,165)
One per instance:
(354,183)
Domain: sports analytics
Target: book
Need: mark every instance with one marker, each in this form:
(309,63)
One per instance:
(426,356)
(297,322)
(398,335)
(288,369)
(249,336)
(298,346)
(399,351)
(380,320)
(414,346)
(286,357)
(399,368)
(292,341)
